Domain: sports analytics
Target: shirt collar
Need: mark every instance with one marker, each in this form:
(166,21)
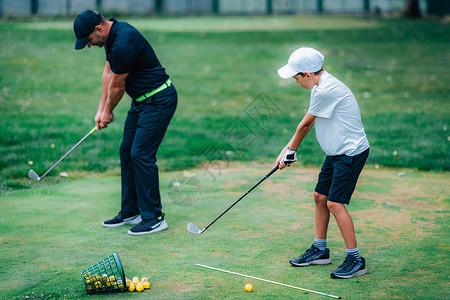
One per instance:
(323,77)
(112,31)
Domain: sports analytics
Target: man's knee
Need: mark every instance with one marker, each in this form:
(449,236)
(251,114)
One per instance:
(142,157)
(124,149)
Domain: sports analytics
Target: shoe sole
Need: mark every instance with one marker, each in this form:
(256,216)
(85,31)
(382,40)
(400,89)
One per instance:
(129,221)
(357,273)
(326,261)
(161,227)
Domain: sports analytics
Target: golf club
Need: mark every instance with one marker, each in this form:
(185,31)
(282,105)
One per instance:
(33,175)
(194,229)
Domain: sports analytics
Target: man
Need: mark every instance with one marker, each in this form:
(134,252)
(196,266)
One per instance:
(340,133)
(132,67)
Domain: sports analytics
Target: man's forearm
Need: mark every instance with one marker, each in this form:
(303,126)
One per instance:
(115,94)
(106,80)
(116,89)
(113,88)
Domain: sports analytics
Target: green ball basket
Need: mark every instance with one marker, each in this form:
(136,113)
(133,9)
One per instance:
(106,276)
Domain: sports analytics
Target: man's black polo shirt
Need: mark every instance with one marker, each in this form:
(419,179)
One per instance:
(127,51)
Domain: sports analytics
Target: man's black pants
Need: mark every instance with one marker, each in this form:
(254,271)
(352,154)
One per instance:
(144,130)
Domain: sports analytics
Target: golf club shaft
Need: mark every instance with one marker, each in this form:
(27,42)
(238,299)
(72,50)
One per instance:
(68,152)
(265,177)
(257,278)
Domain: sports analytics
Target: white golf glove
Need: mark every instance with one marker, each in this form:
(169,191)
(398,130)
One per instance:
(290,156)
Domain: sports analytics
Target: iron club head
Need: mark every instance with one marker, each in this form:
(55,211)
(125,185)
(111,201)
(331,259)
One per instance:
(32,175)
(193,229)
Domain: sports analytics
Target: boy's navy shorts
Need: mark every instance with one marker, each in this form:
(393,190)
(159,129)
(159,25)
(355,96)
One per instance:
(338,176)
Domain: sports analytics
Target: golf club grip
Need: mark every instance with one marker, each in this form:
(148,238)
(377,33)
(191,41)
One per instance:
(68,152)
(265,177)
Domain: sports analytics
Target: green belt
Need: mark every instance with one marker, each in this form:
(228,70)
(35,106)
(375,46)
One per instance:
(151,93)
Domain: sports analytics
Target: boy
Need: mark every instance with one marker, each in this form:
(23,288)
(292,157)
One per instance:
(340,133)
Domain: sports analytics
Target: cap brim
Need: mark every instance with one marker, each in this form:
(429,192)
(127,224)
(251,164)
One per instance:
(286,72)
(81,43)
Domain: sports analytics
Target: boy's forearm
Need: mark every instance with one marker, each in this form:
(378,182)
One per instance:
(300,134)
(302,131)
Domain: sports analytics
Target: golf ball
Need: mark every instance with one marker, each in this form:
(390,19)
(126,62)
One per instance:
(248,287)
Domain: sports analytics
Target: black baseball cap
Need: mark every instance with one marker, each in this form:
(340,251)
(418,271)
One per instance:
(83,25)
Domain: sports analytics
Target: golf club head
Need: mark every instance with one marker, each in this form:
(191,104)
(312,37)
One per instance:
(32,175)
(193,229)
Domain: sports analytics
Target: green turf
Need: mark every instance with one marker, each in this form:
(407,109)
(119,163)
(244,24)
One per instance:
(225,72)
(52,233)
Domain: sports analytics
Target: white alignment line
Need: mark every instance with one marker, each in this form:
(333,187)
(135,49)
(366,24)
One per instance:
(287,285)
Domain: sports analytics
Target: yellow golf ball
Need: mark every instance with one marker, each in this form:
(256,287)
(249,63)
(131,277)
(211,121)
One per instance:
(146,285)
(136,280)
(248,287)
(139,287)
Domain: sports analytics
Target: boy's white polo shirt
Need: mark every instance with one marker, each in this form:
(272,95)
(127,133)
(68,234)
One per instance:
(338,125)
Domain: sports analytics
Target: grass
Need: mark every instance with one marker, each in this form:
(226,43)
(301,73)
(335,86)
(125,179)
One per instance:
(225,72)
(234,116)
(52,233)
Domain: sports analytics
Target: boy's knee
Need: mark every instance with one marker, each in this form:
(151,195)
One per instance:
(320,199)
(334,206)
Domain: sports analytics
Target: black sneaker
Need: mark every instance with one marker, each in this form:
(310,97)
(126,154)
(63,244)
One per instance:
(312,256)
(149,226)
(350,267)
(119,221)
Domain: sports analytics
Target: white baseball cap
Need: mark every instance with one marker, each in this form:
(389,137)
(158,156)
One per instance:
(304,59)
